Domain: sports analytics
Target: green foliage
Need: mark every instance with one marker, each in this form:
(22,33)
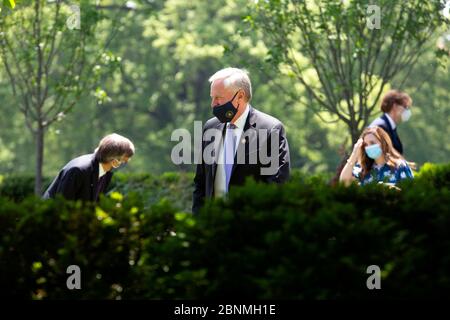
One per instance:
(18,186)
(66,63)
(437,176)
(174,187)
(9,4)
(343,61)
(166,51)
(302,240)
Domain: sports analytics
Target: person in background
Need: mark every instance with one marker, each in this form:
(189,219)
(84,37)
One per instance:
(86,177)
(374,160)
(396,108)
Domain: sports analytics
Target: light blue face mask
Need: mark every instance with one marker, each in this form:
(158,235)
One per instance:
(120,166)
(406,115)
(374,151)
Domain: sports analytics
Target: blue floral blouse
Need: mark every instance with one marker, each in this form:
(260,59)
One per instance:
(384,174)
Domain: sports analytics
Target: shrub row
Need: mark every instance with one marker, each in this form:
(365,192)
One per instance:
(302,240)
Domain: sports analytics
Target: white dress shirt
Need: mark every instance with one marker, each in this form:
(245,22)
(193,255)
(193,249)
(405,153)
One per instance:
(101,171)
(220,180)
(391,121)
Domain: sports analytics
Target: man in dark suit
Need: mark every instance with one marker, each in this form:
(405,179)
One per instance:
(239,142)
(396,108)
(86,177)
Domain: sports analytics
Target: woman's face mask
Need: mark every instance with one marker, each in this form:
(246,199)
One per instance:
(374,151)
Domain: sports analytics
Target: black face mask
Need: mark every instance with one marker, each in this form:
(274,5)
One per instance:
(225,112)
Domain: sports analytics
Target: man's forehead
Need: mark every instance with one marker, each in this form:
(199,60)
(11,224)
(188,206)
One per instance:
(218,83)
(218,86)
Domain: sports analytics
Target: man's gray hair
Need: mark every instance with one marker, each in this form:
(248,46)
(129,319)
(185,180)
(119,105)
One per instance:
(113,146)
(234,78)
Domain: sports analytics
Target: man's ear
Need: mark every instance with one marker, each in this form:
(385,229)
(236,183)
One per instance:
(242,94)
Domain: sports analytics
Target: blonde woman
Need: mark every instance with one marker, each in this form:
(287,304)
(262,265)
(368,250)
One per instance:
(374,160)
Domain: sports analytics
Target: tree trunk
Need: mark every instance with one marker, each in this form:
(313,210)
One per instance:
(355,133)
(39,160)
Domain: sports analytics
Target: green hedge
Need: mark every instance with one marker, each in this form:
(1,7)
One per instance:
(19,186)
(303,240)
(176,187)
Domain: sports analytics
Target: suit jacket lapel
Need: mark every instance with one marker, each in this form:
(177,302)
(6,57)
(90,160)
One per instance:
(393,134)
(219,126)
(388,124)
(248,137)
(94,176)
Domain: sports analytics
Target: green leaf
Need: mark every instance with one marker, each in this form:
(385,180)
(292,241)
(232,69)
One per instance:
(9,3)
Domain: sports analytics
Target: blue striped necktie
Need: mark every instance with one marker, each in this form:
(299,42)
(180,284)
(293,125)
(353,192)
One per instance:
(229,150)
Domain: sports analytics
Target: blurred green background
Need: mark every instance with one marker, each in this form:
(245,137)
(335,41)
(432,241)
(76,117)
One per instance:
(163,53)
